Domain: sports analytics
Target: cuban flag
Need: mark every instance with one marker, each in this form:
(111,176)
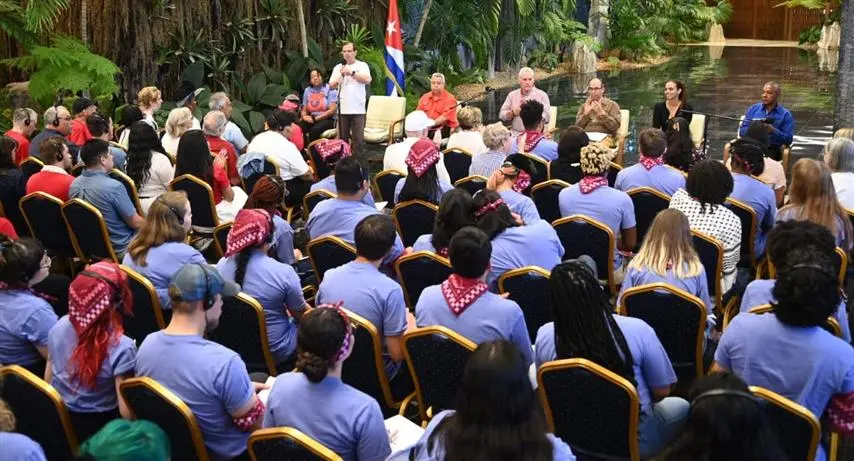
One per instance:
(395,81)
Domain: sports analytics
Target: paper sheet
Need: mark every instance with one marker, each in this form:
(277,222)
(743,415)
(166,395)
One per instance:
(266,392)
(402,433)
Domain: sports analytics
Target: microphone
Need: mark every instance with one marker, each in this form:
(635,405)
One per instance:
(465,102)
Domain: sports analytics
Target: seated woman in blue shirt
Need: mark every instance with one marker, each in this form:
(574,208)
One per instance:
(510,181)
(585,327)
(89,354)
(16,446)
(422,181)
(315,401)
(25,317)
(269,195)
(497,417)
(455,212)
(160,248)
(748,162)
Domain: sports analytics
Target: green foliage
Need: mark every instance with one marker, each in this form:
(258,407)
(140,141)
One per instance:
(68,65)
(41,14)
(358,35)
(544,58)
(810,35)
(273,24)
(258,98)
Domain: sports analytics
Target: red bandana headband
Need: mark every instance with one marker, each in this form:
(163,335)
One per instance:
(590,183)
(649,162)
(330,147)
(532,138)
(422,155)
(348,337)
(522,182)
(251,227)
(491,206)
(94,291)
(460,292)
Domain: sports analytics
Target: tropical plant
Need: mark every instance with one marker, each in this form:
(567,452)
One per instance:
(259,98)
(358,35)
(24,21)
(810,34)
(331,18)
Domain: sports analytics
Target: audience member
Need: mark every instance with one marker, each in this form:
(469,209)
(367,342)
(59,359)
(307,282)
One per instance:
(650,170)
(839,157)
(179,122)
(123,440)
(773,174)
(291,106)
(83,107)
(844,132)
(221,102)
(331,151)
(777,119)
(586,327)
(708,185)
(89,355)
(599,114)
(422,181)
(455,212)
(469,136)
(315,401)
(214,128)
(148,164)
(210,378)
(351,78)
(149,99)
(275,285)
(319,106)
(24,122)
(160,246)
(567,167)
(497,140)
(748,161)
(53,179)
(440,106)
(13,184)
(129,115)
(681,153)
(16,446)
(534,140)
(57,122)
(464,303)
(675,104)
(106,194)
(195,159)
(186,98)
(498,415)
(102,128)
(275,145)
(512,108)
(269,195)
(417,125)
(511,180)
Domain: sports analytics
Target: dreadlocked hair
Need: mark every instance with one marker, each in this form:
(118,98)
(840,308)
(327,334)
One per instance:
(269,192)
(584,326)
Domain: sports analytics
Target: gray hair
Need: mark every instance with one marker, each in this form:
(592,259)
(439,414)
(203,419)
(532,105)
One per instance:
(495,135)
(774,85)
(438,75)
(218,100)
(180,120)
(23,114)
(840,155)
(214,124)
(53,113)
(526,71)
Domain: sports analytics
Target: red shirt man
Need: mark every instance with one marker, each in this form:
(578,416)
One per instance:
(83,107)
(23,149)
(216,144)
(440,105)
(53,179)
(23,124)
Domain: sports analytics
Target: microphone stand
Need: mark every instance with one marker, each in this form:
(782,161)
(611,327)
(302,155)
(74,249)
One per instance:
(465,102)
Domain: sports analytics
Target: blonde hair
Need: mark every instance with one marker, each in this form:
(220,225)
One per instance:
(162,224)
(595,159)
(668,244)
(495,135)
(7,418)
(470,117)
(147,96)
(812,197)
(180,120)
(847,132)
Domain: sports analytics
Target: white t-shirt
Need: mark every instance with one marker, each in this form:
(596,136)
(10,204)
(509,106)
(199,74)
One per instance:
(284,152)
(352,94)
(161,174)
(472,141)
(395,159)
(843,182)
(170,144)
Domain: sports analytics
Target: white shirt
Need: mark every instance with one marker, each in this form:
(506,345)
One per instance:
(395,159)
(53,169)
(472,141)
(282,151)
(161,174)
(843,182)
(351,93)
(170,144)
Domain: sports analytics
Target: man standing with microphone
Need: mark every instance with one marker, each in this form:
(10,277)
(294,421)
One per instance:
(778,119)
(351,78)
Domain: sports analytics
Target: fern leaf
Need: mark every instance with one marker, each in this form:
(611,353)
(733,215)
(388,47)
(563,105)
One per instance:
(41,14)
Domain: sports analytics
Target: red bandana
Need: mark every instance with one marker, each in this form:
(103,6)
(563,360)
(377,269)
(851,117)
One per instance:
(488,207)
(90,296)
(251,227)
(649,162)
(532,138)
(443,252)
(522,182)
(461,292)
(422,155)
(329,147)
(590,183)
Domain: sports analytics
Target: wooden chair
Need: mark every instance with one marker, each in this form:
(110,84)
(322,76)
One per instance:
(436,357)
(419,270)
(747,215)
(220,234)
(148,399)
(414,218)
(697,127)
(384,119)
(529,288)
(648,203)
(147,313)
(311,199)
(89,235)
(287,443)
(201,198)
(473,184)
(243,329)
(318,165)
(591,408)
(582,235)
(130,187)
(831,325)
(457,162)
(43,214)
(797,429)
(385,182)
(328,253)
(39,412)
(545,197)
(711,254)
(542,173)
(613,170)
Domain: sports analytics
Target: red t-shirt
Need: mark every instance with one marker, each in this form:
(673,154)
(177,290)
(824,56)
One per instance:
(297,137)
(217,144)
(79,132)
(56,184)
(7,229)
(23,150)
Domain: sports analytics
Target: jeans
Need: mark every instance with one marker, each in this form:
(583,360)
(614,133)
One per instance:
(657,428)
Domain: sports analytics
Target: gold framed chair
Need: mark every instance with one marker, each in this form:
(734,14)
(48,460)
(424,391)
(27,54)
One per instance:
(77,170)
(648,203)
(457,161)
(243,329)
(39,411)
(414,218)
(542,173)
(278,443)
(220,235)
(328,253)
(797,428)
(747,215)
(130,187)
(311,199)
(831,325)
(840,264)
(583,235)
(201,198)
(88,231)
(529,287)
(43,215)
(31,165)
(147,313)
(545,197)
(591,408)
(711,254)
(148,399)
(385,182)
(613,170)
(419,270)
(318,166)
(270,167)
(473,184)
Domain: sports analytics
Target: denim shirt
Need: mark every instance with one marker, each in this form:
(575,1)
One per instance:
(110,198)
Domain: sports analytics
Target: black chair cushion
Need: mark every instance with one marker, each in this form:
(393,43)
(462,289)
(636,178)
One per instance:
(87,229)
(282,449)
(708,254)
(239,331)
(472,187)
(46,218)
(143,322)
(580,238)
(200,202)
(328,255)
(420,273)
(457,164)
(322,169)
(647,206)
(312,201)
(360,370)
(747,225)
(531,293)
(415,220)
(546,200)
(438,363)
(793,433)
(386,185)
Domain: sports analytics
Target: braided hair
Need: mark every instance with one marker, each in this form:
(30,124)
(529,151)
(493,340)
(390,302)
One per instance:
(748,156)
(320,337)
(269,192)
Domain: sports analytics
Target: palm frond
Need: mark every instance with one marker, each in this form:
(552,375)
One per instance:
(41,14)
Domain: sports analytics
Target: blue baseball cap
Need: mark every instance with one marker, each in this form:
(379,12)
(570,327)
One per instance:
(194,282)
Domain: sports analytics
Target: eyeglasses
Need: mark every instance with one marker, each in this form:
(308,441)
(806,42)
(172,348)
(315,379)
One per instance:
(590,88)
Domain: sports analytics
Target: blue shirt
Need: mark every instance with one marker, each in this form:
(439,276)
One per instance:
(697,285)
(210,378)
(488,318)
(545,149)
(328,184)
(424,243)
(20,447)
(444,187)
(338,218)
(761,198)
(161,263)
(283,240)
(370,294)
(277,287)
(318,100)
(120,360)
(120,157)
(25,321)
(110,198)
(784,123)
(611,207)
(662,178)
(335,414)
(650,364)
(521,205)
(235,136)
(536,244)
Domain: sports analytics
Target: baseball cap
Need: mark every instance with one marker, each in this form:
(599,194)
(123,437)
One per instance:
(187,92)
(194,282)
(82,104)
(417,121)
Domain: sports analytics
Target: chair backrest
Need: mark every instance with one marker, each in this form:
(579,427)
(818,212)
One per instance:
(711,254)
(591,408)
(738,128)
(473,184)
(77,170)
(552,125)
(31,166)
(797,429)
(148,399)
(328,253)
(43,214)
(318,165)
(419,270)
(545,197)
(364,369)
(831,325)
(243,329)
(39,412)
(436,357)
(613,171)
(414,218)
(385,182)
(287,443)
(130,187)
(625,118)
(457,162)
(840,266)
(542,174)
(583,235)
(648,202)
(147,313)
(747,215)
(313,198)
(697,127)
(220,235)
(88,231)
(383,111)
(201,198)
(529,288)
(270,167)
(679,321)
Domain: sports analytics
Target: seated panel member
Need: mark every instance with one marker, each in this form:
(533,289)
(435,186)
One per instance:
(599,114)
(650,170)
(778,120)
(534,141)
(440,106)
(512,107)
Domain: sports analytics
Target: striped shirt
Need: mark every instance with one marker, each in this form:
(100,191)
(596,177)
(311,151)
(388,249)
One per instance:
(486,163)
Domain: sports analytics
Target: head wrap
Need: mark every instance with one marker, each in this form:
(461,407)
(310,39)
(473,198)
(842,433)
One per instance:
(251,227)
(348,336)
(291,103)
(89,296)
(522,181)
(422,155)
(332,147)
